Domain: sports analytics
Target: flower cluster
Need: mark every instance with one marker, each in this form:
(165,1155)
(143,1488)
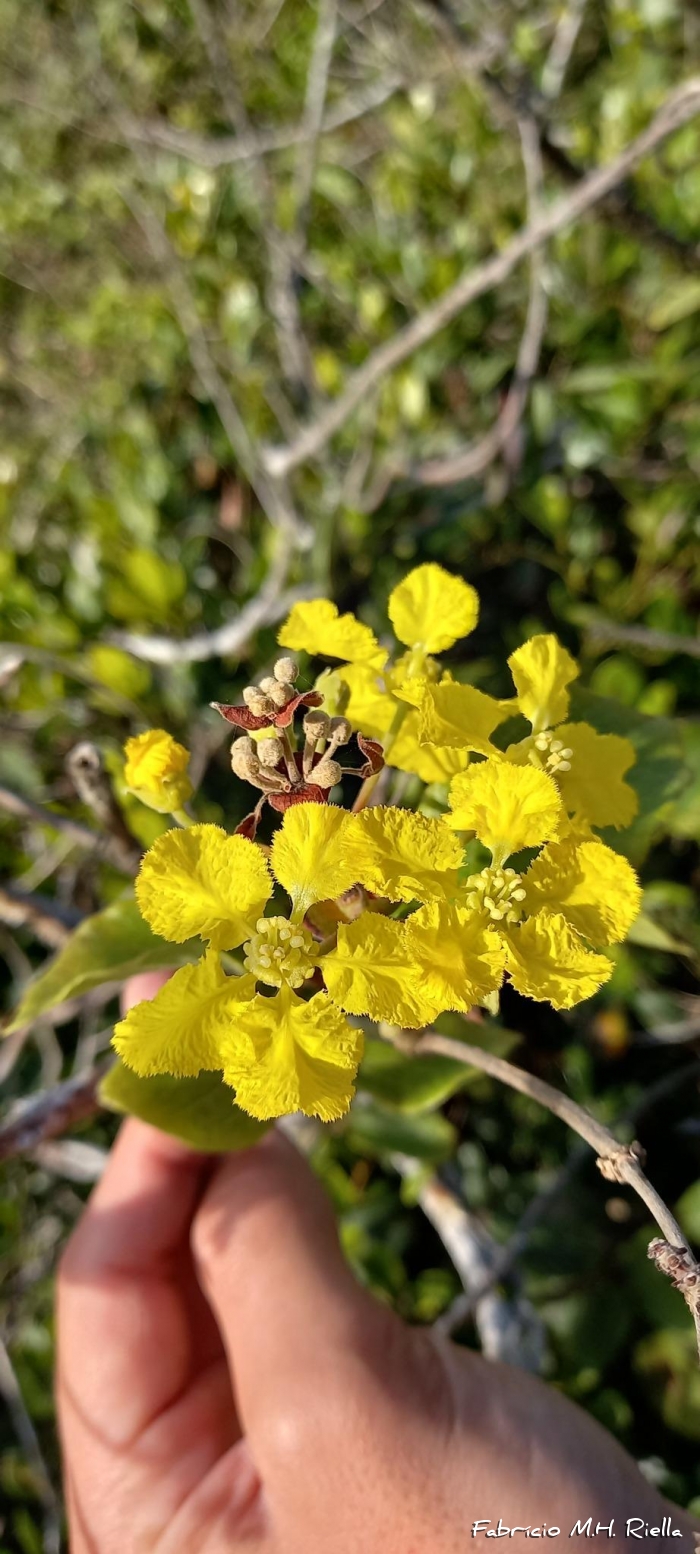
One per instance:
(384,920)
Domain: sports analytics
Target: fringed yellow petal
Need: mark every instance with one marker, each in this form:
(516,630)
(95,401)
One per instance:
(461,957)
(316,626)
(594,789)
(155,769)
(547,961)
(202,881)
(310,856)
(509,807)
(541,670)
(404,856)
(595,889)
(179,1031)
(432,763)
(459,717)
(373,971)
(284,1055)
(408,973)
(431,608)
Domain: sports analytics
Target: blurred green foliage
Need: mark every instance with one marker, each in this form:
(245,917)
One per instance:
(124,508)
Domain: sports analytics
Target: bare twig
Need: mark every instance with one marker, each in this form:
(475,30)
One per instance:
(312,123)
(93,786)
(230,640)
(25,809)
(500,438)
(509,1330)
(281,294)
(29,1442)
(612,633)
(679,108)
(50,1113)
(270,490)
(617,1162)
(46,919)
(562,48)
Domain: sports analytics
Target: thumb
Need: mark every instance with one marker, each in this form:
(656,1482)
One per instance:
(290,1313)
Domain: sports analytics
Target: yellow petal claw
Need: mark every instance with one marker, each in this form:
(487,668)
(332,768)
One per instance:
(179,1030)
(310,857)
(594,888)
(431,608)
(547,961)
(541,671)
(509,807)
(284,1055)
(460,717)
(317,627)
(202,881)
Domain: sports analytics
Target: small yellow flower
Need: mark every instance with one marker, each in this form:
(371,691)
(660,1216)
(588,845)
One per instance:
(430,610)
(282,1052)
(574,893)
(155,770)
(587,767)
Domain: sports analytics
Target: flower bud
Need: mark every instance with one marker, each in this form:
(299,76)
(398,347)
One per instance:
(286,671)
(327,773)
(155,770)
(270,751)
(280,694)
(268,684)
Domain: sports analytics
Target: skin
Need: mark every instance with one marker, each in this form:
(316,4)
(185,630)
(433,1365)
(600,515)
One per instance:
(225,1386)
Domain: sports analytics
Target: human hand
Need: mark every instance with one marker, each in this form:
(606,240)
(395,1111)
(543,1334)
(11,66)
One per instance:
(224,1384)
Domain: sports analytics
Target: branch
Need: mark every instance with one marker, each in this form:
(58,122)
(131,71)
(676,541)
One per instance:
(93,786)
(474,460)
(316,91)
(43,917)
(679,108)
(269,489)
(227,641)
(508,1330)
(82,836)
(51,1112)
(641,636)
(616,1162)
(562,48)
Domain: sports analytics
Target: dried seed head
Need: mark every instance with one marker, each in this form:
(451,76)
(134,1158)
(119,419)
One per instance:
(286,671)
(270,751)
(316,725)
(244,759)
(327,773)
(268,684)
(340,731)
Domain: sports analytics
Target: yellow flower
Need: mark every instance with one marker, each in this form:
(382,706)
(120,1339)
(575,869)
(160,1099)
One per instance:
(573,894)
(429,610)
(279,1051)
(155,770)
(587,767)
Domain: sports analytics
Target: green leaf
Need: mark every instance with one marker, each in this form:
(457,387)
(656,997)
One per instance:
(374,1130)
(420,1084)
(688,1212)
(201,1112)
(107,947)
(652,936)
(669,1363)
(677,302)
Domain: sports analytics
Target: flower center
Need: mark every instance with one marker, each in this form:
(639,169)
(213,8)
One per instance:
(557,755)
(498,892)
(280,952)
